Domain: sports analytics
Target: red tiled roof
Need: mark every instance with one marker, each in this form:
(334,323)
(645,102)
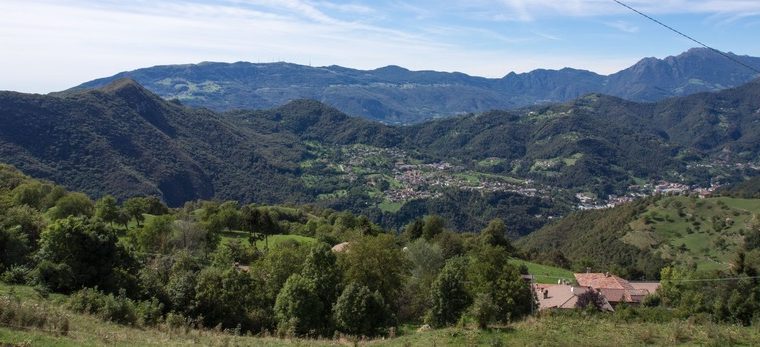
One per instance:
(616,289)
(600,280)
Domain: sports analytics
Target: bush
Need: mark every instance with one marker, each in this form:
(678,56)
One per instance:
(107,307)
(57,277)
(16,275)
(361,312)
(484,310)
(116,308)
(16,314)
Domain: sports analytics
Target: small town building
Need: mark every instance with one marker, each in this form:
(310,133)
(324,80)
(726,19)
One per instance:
(561,296)
(617,290)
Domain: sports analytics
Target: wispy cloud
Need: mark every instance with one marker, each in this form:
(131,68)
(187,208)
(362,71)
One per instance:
(623,26)
(529,10)
(51,44)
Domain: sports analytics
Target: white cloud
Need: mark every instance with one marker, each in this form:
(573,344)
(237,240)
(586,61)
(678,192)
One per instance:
(51,45)
(623,26)
(528,10)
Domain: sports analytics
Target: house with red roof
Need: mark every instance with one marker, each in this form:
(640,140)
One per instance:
(616,289)
(561,296)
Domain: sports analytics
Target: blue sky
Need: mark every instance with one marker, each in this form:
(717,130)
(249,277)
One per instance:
(52,45)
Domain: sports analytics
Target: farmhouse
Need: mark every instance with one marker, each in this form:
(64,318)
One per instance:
(616,289)
(561,296)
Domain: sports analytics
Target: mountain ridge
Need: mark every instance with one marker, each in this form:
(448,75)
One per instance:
(124,140)
(396,95)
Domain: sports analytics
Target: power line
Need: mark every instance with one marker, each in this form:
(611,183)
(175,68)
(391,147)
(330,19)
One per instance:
(688,37)
(715,279)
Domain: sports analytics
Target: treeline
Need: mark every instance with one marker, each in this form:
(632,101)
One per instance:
(141,263)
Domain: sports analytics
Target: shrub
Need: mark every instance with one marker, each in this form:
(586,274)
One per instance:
(591,299)
(484,310)
(57,277)
(361,312)
(17,314)
(116,308)
(17,274)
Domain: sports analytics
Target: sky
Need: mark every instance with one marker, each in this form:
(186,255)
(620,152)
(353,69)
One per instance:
(52,45)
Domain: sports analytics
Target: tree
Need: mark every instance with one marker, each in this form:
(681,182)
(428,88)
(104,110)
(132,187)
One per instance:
(188,235)
(298,308)
(433,225)
(107,210)
(276,266)
(591,299)
(426,260)
(89,250)
(484,310)
(135,207)
(413,230)
(28,221)
(449,295)
(358,311)
(495,234)
(14,247)
(321,269)
(156,234)
(224,297)
(490,273)
(72,204)
(377,263)
(752,238)
(31,194)
(154,206)
(259,220)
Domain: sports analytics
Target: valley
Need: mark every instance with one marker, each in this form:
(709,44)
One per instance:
(379,173)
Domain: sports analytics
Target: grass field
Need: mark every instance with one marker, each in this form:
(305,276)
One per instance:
(544,273)
(702,232)
(562,330)
(274,240)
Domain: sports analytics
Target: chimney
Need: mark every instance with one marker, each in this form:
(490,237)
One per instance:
(588,270)
(607,274)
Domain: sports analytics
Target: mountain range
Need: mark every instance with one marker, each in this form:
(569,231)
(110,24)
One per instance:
(395,95)
(521,165)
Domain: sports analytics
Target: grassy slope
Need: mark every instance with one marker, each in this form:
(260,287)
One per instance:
(682,230)
(690,236)
(544,273)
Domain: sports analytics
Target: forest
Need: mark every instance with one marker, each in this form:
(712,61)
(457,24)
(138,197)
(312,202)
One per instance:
(302,271)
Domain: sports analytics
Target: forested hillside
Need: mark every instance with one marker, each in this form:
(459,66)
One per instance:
(74,271)
(211,264)
(395,95)
(522,166)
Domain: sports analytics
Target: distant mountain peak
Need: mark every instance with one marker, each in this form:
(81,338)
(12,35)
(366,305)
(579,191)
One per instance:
(125,85)
(396,95)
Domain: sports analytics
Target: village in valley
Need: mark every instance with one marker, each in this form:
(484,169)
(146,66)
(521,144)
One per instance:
(396,176)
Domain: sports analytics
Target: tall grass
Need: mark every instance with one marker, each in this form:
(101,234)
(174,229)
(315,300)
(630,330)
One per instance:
(28,315)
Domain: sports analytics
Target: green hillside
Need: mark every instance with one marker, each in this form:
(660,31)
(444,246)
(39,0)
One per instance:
(523,166)
(705,234)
